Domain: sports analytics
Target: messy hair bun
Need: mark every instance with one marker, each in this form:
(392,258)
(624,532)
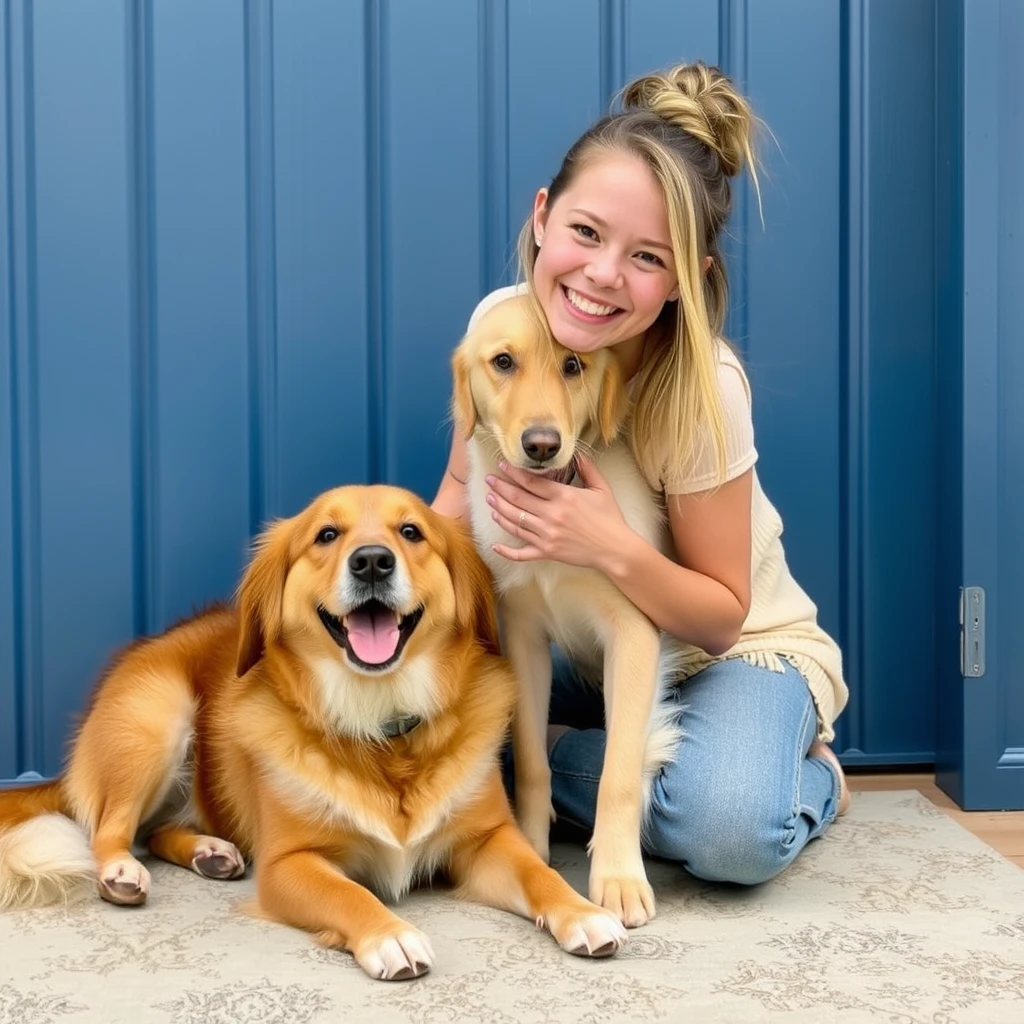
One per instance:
(703,102)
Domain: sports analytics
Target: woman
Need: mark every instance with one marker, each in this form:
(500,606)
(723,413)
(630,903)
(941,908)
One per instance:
(622,251)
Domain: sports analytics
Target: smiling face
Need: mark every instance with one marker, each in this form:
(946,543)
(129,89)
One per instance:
(605,267)
(530,401)
(368,575)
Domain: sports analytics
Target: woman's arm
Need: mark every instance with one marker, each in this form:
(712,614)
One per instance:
(450,499)
(704,598)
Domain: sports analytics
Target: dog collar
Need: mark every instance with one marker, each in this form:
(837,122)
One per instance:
(400,725)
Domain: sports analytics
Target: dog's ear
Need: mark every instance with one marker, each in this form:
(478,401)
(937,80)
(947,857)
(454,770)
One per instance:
(614,403)
(476,606)
(463,406)
(261,593)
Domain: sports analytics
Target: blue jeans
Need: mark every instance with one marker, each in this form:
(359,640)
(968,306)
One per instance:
(740,800)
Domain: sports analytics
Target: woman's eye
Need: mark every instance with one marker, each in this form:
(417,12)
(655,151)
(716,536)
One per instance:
(327,535)
(586,231)
(572,367)
(649,257)
(411,532)
(503,362)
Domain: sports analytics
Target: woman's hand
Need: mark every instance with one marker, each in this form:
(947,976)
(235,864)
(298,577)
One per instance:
(576,525)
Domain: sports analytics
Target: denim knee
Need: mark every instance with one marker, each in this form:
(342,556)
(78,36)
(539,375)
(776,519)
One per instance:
(720,836)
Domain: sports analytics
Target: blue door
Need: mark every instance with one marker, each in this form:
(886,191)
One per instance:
(980,741)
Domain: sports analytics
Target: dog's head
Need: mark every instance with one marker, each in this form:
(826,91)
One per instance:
(368,575)
(531,400)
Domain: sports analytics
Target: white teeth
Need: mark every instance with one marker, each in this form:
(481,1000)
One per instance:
(586,306)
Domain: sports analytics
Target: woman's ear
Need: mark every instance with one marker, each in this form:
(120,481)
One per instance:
(540,214)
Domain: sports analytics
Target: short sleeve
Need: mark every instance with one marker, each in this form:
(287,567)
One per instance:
(491,300)
(701,471)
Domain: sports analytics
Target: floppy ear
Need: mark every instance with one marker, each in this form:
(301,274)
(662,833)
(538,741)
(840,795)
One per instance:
(612,408)
(476,606)
(261,593)
(463,406)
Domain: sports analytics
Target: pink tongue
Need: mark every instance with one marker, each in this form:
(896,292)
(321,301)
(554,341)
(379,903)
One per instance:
(373,635)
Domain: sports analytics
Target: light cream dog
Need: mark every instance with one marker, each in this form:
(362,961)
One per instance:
(521,397)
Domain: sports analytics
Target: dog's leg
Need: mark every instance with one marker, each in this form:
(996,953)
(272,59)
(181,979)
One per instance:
(307,891)
(499,868)
(526,643)
(128,755)
(205,855)
(631,687)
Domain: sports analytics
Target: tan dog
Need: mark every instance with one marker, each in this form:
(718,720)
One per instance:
(341,728)
(521,397)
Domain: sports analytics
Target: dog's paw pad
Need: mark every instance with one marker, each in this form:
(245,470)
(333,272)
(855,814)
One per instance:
(215,858)
(124,882)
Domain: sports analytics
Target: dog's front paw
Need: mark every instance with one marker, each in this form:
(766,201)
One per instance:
(628,895)
(592,932)
(124,881)
(217,858)
(398,956)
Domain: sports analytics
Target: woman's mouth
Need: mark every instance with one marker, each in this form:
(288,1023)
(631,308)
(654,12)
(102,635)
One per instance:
(586,309)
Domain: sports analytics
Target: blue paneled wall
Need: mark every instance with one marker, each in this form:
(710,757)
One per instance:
(241,241)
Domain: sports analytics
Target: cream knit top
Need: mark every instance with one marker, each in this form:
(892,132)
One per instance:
(782,621)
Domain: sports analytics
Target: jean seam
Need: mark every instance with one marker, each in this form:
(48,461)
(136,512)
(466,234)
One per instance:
(798,759)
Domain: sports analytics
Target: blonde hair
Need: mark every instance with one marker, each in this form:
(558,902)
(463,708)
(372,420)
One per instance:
(693,130)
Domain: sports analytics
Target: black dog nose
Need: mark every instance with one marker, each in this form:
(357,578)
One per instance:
(541,443)
(371,563)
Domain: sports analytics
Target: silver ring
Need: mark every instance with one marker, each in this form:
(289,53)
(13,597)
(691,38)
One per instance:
(522,518)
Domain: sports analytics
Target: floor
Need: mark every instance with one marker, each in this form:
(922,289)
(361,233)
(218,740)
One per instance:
(1002,830)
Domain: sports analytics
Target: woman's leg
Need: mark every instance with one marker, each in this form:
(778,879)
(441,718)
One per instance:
(742,798)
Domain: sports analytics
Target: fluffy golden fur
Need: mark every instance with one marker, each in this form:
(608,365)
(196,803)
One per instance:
(511,381)
(277,730)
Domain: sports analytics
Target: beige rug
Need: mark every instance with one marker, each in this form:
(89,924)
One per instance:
(898,915)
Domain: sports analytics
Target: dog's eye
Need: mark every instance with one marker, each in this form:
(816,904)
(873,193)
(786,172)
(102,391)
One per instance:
(411,532)
(503,362)
(572,367)
(327,535)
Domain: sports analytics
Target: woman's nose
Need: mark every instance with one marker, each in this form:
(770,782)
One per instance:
(604,270)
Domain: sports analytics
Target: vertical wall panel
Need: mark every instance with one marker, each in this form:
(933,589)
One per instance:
(9,723)
(685,32)
(320,369)
(81,351)
(430,222)
(200,363)
(896,489)
(785,300)
(554,91)
(28,640)
(1010,715)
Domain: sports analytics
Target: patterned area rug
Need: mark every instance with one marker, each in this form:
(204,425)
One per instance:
(897,914)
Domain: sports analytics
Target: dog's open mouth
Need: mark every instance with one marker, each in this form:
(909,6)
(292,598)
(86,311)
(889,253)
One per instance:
(372,635)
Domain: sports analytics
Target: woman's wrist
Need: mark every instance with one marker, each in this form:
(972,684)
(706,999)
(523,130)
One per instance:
(618,557)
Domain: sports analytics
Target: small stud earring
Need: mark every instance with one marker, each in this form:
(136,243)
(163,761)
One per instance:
(536,239)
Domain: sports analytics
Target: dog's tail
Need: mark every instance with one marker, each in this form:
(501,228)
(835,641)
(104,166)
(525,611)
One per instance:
(44,856)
